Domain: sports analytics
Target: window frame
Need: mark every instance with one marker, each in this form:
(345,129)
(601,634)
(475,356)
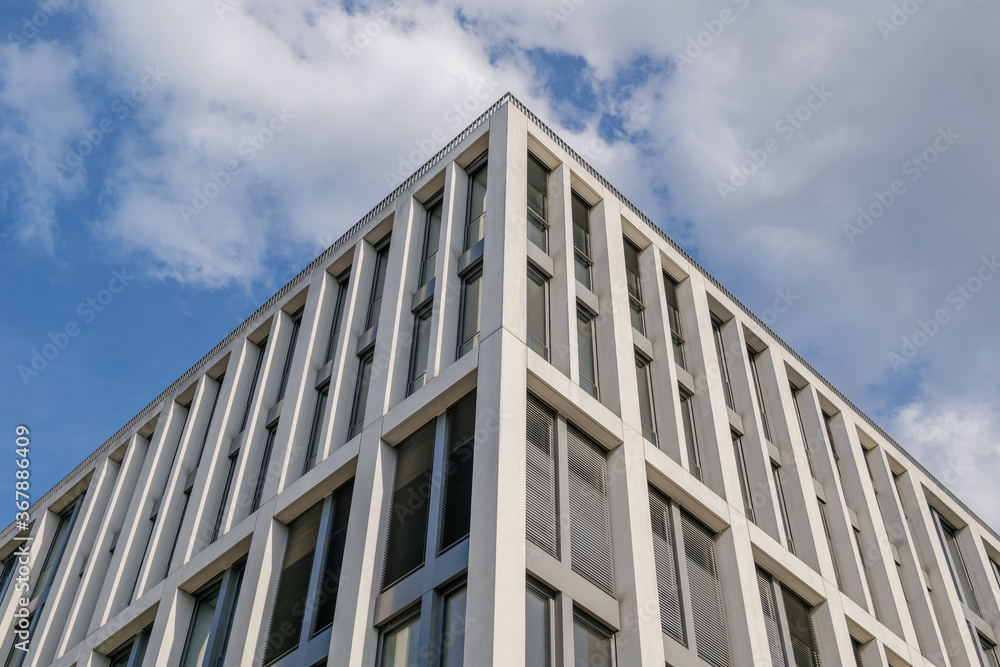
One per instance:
(753,355)
(674,321)
(637,305)
(720,351)
(471,343)
(430,247)
(228,585)
(643,365)
(374,312)
(339,306)
(585,318)
(582,254)
(541,347)
(258,365)
(477,166)
(424,313)
(539,217)
(293,339)
(359,404)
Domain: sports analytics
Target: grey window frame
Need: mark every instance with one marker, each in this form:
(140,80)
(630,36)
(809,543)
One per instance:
(429,250)
(228,585)
(670,286)
(551,632)
(589,623)
(744,476)
(133,651)
(420,344)
(964,587)
(538,220)
(312,643)
(343,283)
(786,523)
(582,255)
(690,430)
(759,391)
(293,339)
(478,165)
(720,351)
(585,318)
(467,345)
(374,312)
(262,350)
(643,365)
(265,462)
(211,415)
(362,385)
(633,282)
(540,347)
(796,392)
(320,411)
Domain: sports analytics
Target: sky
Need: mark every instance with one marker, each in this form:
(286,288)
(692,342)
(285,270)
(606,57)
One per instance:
(166,166)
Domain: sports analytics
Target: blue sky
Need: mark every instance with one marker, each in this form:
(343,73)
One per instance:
(166,167)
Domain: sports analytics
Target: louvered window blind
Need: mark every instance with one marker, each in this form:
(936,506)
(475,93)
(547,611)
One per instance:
(665,556)
(707,607)
(541,507)
(293,585)
(590,515)
(456,506)
(408,513)
(333,559)
(800,630)
(771,624)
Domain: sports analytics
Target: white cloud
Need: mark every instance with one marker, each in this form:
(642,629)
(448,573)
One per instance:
(356,112)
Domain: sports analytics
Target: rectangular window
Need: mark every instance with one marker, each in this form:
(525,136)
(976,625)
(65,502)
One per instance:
(868,578)
(476,213)
(790,625)
(589,512)
(538,313)
(378,283)
(338,315)
(261,349)
(829,543)
(782,507)
(6,573)
(456,492)
(539,615)
(452,643)
(333,558)
(56,549)
(421,349)
(720,351)
(690,433)
(993,563)
(468,326)
(265,462)
(306,596)
(988,652)
(211,624)
(645,386)
(592,643)
(288,614)
(754,373)
(796,392)
(177,533)
(145,549)
(581,242)
(361,394)
(856,647)
(432,237)
(211,415)
(410,506)
(833,446)
(956,561)
(542,498)
(131,654)
(415,491)
(319,421)
(538,203)
(708,611)
(586,335)
(741,469)
(634,287)
(226,490)
(674,318)
(400,645)
(667,573)
(290,353)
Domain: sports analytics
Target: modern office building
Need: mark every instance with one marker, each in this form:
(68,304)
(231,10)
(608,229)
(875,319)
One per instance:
(504,420)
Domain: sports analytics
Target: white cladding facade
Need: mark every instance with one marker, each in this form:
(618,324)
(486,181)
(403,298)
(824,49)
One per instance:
(503,421)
